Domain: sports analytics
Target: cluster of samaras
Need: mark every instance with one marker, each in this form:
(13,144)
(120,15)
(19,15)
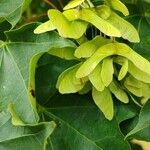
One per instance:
(104,66)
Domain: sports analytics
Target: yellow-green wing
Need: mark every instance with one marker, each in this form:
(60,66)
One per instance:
(95,78)
(104,102)
(73,3)
(68,29)
(107,71)
(44,27)
(118,92)
(87,49)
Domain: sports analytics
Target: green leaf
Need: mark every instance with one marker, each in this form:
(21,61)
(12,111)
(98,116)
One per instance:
(83,126)
(52,67)
(118,92)
(73,3)
(109,50)
(107,71)
(15,58)
(25,136)
(127,30)
(87,87)
(142,26)
(104,102)
(88,48)
(68,29)
(11,11)
(96,79)
(118,5)
(67,81)
(141,130)
(44,27)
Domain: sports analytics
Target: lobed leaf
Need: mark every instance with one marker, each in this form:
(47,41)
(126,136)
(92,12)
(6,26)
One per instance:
(25,136)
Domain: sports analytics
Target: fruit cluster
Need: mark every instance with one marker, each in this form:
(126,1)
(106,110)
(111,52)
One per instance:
(105,66)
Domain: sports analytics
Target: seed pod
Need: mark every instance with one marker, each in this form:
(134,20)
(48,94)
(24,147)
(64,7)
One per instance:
(107,71)
(95,78)
(103,11)
(118,92)
(104,102)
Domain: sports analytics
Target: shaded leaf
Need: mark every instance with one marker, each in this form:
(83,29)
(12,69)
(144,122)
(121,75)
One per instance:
(15,58)
(12,10)
(52,67)
(25,136)
(83,126)
(142,129)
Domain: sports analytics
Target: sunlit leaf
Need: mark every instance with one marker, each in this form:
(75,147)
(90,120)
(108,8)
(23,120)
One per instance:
(104,102)
(96,79)
(107,71)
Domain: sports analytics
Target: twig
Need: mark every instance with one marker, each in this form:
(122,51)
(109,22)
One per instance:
(61,4)
(36,17)
(50,3)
